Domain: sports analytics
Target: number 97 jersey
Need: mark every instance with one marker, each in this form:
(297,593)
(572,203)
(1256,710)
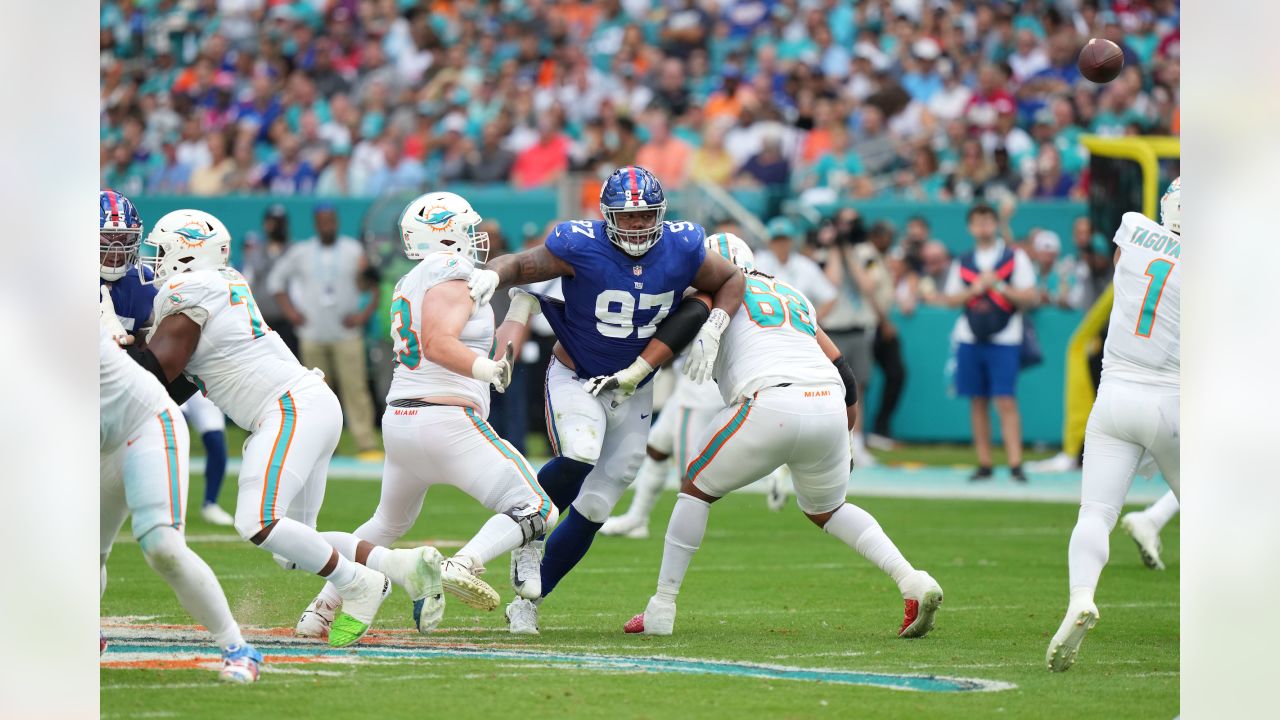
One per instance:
(771,340)
(239,363)
(1142,340)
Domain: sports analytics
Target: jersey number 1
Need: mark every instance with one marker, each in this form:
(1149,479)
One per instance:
(240,295)
(1159,271)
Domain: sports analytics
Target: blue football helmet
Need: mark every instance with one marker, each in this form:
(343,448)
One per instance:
(119,235)
(633,189)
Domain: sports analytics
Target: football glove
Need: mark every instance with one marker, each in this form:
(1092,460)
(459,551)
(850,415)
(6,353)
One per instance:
(107,318)
(482,284)
(495,372)
(623,383)
(702,353)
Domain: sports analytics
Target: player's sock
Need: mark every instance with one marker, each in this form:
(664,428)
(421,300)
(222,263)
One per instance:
(561,478)
(684,536)
(306,549)
(565,547)
(192,581)
(859,530)
(1090,544)
(499,535)
(1162,510)
(650,479)
(215,464)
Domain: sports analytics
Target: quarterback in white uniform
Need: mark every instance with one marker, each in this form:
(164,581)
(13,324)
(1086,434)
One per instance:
(1137,407)
(143,445)
(435,427)
(789,401)
(208,329)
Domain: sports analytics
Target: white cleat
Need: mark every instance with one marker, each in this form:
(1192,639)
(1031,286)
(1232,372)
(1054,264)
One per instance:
(922,596)
(215,515)
(658,618)
(779,487)
(526,570)
(1144,533)
(1080,619)
(316,619)
(460,579)
(360,602)
(627,526)
(864,459)
(417,570)
(522,617)
(1061,462)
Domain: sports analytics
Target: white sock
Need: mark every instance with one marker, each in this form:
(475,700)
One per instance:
(499,535)
(193,582)
(859,530)
(684,536)
(102,576)
(1162,510)
(650,480)
(306,548)
(1090,545)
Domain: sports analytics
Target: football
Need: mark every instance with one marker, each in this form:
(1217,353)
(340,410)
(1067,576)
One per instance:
(1101,60)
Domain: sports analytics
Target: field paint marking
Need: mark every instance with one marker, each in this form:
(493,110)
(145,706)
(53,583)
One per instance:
(172,644)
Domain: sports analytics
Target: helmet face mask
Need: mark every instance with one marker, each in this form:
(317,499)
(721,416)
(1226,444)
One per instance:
(119,235)
(634,207)
(1171,206)
(186,240)
(442,222)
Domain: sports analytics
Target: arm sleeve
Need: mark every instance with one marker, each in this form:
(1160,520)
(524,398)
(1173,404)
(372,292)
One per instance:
(682,326)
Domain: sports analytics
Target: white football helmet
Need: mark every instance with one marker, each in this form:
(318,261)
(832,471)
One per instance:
(732,248)
(1171,206)
(186,240)
(442,222)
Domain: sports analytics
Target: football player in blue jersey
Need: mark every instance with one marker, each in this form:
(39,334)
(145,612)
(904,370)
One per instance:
(124,283)
(623,281)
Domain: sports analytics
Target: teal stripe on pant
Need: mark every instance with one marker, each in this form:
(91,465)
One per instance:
(283,440)
(171,458)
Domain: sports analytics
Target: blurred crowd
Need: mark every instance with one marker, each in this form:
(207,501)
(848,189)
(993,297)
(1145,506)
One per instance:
(828,99)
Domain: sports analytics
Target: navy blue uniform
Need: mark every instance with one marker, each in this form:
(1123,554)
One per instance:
(133,298)
(614,302)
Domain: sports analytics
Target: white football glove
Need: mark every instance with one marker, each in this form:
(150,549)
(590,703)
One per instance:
(495,372)
(482,284)
(623,383)
(702,353)
(111,323)
(523,305)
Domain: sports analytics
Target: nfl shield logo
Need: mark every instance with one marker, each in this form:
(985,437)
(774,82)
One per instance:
(637,270)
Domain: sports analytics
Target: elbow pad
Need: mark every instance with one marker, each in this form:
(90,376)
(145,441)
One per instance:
(682,326)
(850,382)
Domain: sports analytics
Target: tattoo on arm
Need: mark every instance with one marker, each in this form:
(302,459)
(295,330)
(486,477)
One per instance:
(533,265)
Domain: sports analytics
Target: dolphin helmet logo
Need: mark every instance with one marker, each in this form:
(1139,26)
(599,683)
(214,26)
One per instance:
(194,234)
(436,218)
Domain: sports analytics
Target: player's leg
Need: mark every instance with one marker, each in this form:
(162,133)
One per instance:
(1110,459)
(665,436)
(819,465)
(1144,527)
(211,425)
(155,477)
(295,436)
(575,428)
(112,508)
(741,444)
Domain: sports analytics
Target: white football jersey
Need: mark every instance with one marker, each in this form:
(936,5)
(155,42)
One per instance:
(240,364)
(415,376)
(1142,341)
(129,395)
(770,341)
(689,394)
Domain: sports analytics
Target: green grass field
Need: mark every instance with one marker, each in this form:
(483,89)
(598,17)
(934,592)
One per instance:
(766,588)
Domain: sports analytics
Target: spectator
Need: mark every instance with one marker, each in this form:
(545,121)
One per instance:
(768,168)
(628,144)
(289,174)
(840,169)
(937,265)
(171,176)
(1055,275)
(712,163)
(216,177)
(993,284)
(490,163)
(873,144)
(874,258)
(1049,182)
(910,258)
(780,259)
(262,252)
(1093,265)
(545,161)
(322,274)
(970,179)
(664,155)
(1029,58)
(335,179)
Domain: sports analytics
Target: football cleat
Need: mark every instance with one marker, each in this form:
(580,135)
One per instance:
(360,602)
(522,617)
(658,618)
(316,619)
(240,664)
(922,597)
(778,487)
(462,581)
(526,570)
(417,570)
(627,526)
(1080,619)
(215,515)
(1061,462)
(1144,533)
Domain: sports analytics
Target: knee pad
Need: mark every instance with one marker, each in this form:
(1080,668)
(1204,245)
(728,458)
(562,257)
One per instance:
(593,507)
(1103,512)
(163,548)
(532,526)
(247,527)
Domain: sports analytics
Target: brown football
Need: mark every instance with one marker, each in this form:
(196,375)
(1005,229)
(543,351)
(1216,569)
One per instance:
(1101,60)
